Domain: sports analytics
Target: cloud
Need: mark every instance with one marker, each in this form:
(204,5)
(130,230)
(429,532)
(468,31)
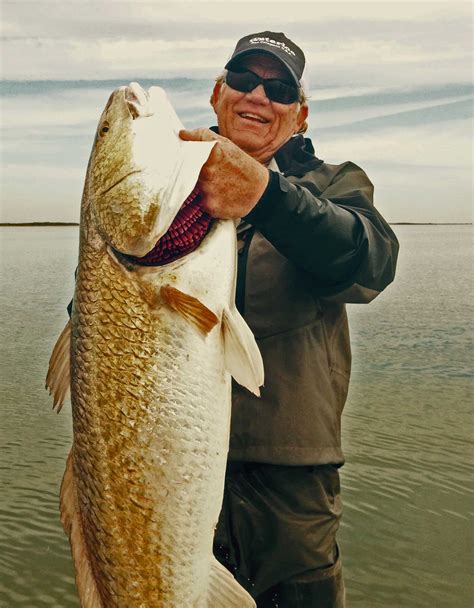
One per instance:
(37,59)
(385,118)
(434,146)
(376,72)
(421,174)
(41,171)
(165,19)
(44,111)
(355,42)
(40,192)
(359,62)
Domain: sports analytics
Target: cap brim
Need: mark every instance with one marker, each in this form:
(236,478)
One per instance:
(231,63)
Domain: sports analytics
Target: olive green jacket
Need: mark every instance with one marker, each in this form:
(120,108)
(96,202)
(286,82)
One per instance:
(313,242)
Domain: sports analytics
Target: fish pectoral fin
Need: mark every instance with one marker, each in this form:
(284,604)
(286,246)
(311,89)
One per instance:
(242,356)
(58,379)
(224,591)
(190,308)
(85,581)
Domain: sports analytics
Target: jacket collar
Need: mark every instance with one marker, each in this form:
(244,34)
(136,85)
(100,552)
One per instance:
(296,157)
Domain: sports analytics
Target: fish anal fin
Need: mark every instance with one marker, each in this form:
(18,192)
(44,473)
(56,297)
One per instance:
(70,518)
(58,379)
(190,308)
(224,591)
(242,356)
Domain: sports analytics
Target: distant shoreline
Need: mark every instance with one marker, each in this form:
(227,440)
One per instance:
(39,224)
(391,223)
(430,223)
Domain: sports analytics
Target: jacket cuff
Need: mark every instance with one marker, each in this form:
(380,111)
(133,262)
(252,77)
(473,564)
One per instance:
(276,187)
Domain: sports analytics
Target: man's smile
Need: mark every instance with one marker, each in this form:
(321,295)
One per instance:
(253,117)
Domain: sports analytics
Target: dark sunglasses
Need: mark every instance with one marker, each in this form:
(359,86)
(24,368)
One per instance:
(276,90)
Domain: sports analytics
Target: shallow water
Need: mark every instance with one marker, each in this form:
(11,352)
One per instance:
(406,536)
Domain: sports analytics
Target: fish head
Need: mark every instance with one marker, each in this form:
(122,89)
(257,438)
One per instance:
(140,172)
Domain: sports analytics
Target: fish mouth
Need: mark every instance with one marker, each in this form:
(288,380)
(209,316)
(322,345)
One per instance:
(119,181)
(185,234)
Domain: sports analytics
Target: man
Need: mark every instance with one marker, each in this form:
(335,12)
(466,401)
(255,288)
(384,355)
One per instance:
(310,241)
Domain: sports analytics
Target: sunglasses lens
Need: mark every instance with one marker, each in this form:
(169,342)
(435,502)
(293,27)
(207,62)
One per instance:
(242,81)
(281,92)
(275,90)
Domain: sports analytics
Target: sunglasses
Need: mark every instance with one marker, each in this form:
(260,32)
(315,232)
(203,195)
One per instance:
(275,89)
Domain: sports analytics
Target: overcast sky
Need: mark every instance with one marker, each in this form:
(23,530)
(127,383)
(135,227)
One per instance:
(389,84)
(343,41)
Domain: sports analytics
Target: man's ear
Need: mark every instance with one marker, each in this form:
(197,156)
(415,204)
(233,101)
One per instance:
(215,95)
(301,118)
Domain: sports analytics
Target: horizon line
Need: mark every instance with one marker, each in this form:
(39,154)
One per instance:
(390,223)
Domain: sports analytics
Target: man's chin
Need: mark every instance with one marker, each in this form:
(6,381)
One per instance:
(247,140)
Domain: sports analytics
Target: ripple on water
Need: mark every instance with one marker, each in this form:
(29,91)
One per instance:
(35,562)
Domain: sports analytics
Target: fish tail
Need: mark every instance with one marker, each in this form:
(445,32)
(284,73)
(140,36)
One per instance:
(85,581)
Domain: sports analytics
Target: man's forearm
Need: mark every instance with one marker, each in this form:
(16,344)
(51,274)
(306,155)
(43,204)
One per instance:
(337,244)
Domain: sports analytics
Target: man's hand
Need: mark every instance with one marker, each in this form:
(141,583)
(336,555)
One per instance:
(232,181)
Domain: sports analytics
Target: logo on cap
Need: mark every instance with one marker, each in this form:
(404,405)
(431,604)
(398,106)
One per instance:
(279,45)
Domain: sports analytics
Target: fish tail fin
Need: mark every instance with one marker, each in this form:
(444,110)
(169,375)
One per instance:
(242,357)
(225,592)
(58,379)
(85,581)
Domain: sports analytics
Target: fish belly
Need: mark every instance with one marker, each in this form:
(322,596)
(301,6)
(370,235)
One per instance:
(151,415)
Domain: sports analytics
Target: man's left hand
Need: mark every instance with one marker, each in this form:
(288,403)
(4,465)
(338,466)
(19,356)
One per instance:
(232,181)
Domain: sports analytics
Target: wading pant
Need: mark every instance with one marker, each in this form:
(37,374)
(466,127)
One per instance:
(277,534)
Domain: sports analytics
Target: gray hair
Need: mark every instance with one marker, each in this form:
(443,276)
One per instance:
(303,100)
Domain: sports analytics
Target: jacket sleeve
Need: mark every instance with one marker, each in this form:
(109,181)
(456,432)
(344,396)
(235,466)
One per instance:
(336,235)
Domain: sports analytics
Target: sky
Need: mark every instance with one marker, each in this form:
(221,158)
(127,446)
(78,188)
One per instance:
(390,89)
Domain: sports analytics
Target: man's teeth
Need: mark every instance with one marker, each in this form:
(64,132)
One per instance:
(253,116)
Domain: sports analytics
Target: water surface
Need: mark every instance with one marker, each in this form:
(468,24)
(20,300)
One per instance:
(406,536)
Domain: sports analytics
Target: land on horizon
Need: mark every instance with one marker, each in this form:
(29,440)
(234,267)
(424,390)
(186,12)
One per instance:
(391,223)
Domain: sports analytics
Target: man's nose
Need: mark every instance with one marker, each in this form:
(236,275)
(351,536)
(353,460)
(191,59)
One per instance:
(258,95)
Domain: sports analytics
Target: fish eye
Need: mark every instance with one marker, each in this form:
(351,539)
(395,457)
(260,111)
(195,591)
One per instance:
(105,128)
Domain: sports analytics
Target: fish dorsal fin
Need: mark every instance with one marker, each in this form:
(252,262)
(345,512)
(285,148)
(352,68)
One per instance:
(224,591)
(242,357)
(190,308)
(58,379)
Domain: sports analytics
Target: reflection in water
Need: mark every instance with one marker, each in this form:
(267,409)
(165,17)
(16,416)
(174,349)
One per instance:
(407,488)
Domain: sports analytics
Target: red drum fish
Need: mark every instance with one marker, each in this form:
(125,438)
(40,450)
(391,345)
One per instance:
(149,352)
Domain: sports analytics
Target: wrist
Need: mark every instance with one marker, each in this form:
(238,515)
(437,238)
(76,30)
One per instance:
(276,186)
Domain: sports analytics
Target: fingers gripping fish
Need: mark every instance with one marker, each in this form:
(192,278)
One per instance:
(154,339)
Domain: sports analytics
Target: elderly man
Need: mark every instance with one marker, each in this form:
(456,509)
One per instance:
(310,240)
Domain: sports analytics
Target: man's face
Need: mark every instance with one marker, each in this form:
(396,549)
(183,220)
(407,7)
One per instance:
(254,123)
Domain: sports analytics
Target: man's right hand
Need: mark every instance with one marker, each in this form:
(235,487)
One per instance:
(232,181)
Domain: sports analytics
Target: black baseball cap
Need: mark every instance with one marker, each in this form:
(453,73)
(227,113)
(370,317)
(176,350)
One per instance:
(271,43)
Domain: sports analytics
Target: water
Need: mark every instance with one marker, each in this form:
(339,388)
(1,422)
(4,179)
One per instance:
(407,532)
(407,529)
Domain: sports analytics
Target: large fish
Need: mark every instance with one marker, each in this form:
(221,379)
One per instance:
(155,337)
